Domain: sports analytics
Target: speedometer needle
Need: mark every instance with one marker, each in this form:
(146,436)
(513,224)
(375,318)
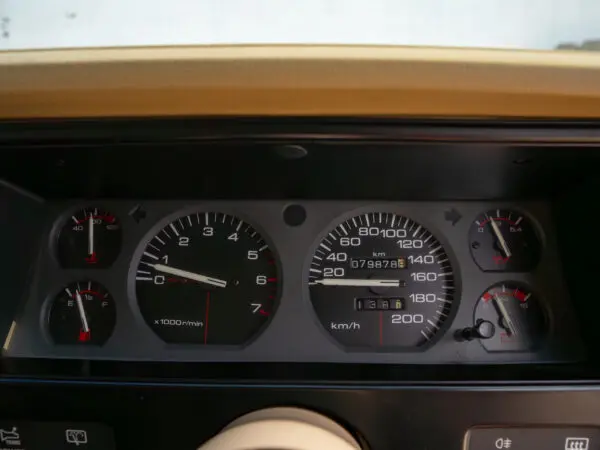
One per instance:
(500,238)
(189,275)
(357,282)
(84,322)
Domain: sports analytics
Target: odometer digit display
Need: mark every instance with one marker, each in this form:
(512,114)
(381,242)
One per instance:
(380,280)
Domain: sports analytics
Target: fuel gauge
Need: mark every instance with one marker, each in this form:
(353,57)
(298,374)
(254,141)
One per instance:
(509,318)
(83,313)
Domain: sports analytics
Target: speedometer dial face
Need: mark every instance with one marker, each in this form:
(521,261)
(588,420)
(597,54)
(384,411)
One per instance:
(207,278)
(380,280)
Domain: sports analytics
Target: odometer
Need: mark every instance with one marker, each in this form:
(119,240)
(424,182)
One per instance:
(207,278)
(381,280)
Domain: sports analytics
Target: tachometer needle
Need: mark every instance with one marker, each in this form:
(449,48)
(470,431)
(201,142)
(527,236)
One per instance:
(84,322)
(91,236)
(189,275)
(500,238)
(505,315)
(357,282)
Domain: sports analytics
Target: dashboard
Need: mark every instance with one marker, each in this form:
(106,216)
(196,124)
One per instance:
(297,281)
(360,282)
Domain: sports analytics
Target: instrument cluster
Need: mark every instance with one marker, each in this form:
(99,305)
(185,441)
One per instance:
(314,281)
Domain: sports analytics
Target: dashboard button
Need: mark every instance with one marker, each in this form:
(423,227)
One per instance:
(55,436)
(521,438)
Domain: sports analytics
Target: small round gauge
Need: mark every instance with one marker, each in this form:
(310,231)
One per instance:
(380,280)
(83,313)
(207,278)
(90,238)
(504,241)
(510,319)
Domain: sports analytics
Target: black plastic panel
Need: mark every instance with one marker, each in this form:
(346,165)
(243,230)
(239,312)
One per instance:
(179,417)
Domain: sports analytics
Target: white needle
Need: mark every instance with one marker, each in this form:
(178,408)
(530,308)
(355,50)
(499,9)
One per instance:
(505,315)
(91,236)
(357,282)
(189,275)
(500,238)
(84,322)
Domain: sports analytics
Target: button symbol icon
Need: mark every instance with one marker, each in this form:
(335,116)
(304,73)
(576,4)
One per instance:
(577,443)
(502,443)
(76,437)
(10,437)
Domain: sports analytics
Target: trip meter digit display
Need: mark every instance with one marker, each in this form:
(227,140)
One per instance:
(381,280)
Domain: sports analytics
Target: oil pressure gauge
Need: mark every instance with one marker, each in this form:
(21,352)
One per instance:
(504,241)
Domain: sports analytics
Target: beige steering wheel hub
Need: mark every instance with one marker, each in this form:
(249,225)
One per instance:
(283,429)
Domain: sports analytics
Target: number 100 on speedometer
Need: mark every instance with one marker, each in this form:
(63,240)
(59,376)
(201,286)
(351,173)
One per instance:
(379,281)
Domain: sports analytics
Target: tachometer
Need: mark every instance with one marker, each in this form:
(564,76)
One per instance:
(207,278)
(381,280)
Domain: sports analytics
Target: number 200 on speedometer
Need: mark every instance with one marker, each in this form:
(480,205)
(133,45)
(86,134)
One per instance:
(380,280)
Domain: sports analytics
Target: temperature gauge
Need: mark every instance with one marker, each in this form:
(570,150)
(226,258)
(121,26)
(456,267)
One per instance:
(509,318)
(91,238)
(83,313)
(504,241)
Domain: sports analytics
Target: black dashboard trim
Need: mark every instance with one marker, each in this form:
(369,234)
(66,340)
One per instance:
(297,130)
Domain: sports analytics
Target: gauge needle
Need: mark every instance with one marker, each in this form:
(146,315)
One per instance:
(357,282)
(189,275)
(84,322)
(91,236)
(500,238)
(505,315)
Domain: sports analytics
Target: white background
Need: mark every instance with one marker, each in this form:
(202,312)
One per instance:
(536,24)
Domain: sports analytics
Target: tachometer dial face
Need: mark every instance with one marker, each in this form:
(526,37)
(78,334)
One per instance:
(504,241)
(207,278)
(83,313)
(514,317)
(90,238)
(380,280)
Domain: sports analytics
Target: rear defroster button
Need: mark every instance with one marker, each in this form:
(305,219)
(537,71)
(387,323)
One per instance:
(526,438)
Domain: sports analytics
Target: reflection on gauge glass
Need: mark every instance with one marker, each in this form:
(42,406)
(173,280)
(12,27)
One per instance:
(207,278)
(83,313)
(504,241)
(90,238)
(513,317)
(381,280)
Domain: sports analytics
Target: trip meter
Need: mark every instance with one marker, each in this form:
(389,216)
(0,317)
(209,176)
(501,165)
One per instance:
(381,280)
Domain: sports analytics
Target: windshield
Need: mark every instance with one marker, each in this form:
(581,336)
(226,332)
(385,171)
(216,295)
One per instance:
(518,24)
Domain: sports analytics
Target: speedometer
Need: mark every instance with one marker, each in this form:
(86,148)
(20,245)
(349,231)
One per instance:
(381,280)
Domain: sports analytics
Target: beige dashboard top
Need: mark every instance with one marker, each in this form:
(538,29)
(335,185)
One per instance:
(299,80)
